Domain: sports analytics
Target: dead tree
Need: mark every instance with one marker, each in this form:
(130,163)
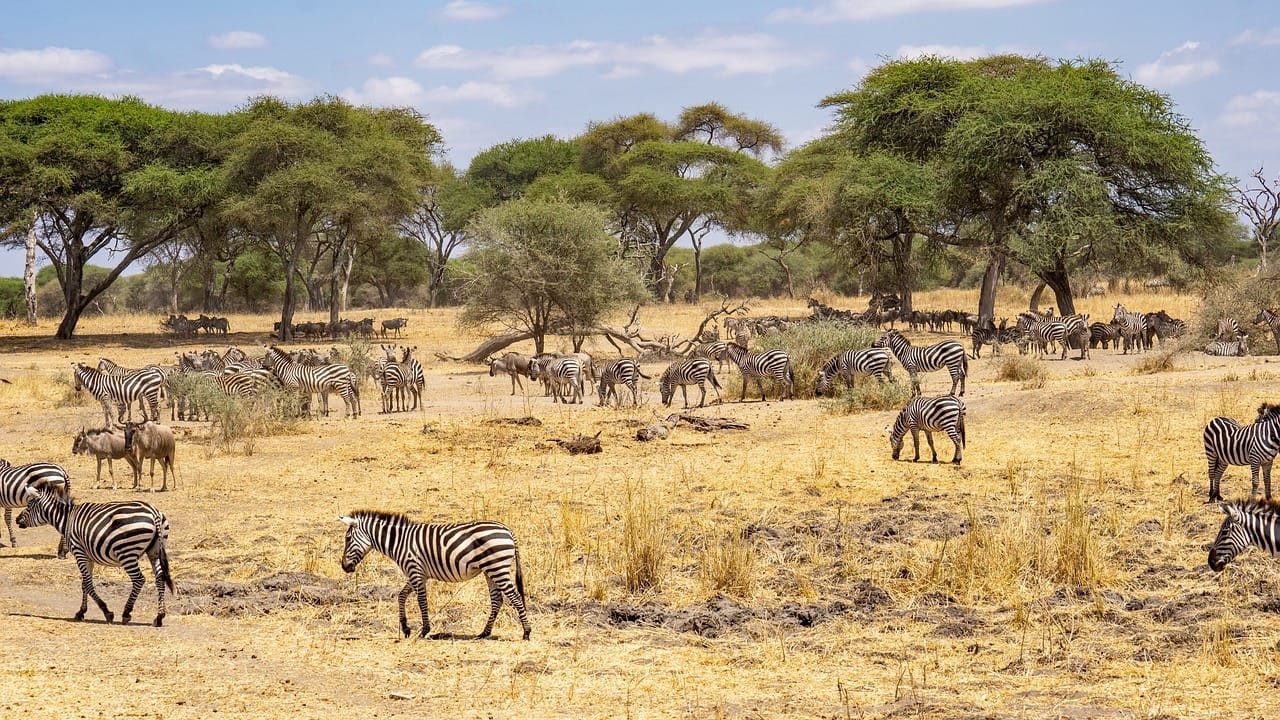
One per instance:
(1261,207)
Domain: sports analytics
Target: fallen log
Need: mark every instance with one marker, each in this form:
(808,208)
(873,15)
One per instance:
(580,444)
(709,424)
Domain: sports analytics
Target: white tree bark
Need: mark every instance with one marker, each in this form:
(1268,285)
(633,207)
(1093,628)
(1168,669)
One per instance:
(29,275)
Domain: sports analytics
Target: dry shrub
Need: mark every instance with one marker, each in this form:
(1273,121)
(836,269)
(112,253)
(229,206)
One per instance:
(1076,551)
(1157,361)
(644,542)
(728,563)
(868,394)
(1239,297)
(1019,368)
(273,411)
(811,344)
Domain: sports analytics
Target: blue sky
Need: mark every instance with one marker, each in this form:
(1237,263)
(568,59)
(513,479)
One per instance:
(488,72)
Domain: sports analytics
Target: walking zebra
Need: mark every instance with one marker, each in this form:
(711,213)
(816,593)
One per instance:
(559,373)
(1229,348)
(941,414)
(684,373)
(110,368)
(1247,522)
(321,379)
(872,362)
(915,360)
(14,481)
(620,372)
(1133,328)
(758,366)
(450,553)
(114,534)
(1227,443)
(121,391)
(1272,320)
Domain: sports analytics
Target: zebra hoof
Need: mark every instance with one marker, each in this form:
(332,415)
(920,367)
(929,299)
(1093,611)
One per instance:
(526,634)
(110,617)
(124,619)
(159,621)
(79,616)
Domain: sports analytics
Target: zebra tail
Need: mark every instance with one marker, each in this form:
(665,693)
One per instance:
(163,557)
(714,383)
(641,372)
(519,576)
(961,429)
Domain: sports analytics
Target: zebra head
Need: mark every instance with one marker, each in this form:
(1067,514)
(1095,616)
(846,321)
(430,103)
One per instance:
(357,545)
(1119,314)
(1233,537)
(78,371)
(43,497)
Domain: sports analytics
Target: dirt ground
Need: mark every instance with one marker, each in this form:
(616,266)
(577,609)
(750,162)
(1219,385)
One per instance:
(1060,572)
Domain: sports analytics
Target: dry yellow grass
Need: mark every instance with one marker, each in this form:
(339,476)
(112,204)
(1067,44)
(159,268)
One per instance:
(789,570)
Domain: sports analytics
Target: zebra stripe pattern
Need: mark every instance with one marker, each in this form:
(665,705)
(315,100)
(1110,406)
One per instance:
(758,366)
(111,368)
(684,373)
(871,362)
(321,379)
(1271,320)
(915,360)
(711,351)
(941,414)
(449,553)
(1228,443)
(413,371)
(620,372)
(14,481)
(1104,334)
(114,534)
(1247,523)
(560,373)
(1227,328)
(121,391)
(1228,348)
(1133,328)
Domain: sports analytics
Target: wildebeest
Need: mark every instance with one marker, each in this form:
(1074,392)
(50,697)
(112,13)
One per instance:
(396,324)
(514,364)
(104,444)
(153,441)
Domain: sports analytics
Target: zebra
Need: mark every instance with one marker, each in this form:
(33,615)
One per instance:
(1132,328)
(684,373)
(317,379)
(1226,443)
(413,370)
(988,335)
(14,481)
(115,534)
(449,553)
(393,378)
(1271,319)
(915,360)
(945,414)
(559,373)
(110,368)
(1247,522)
(757,366)
(1104,334)
(1229,348)
(620,372)
(121,391)
(870,361)
(1228,328)
(712,351)
(1163,326)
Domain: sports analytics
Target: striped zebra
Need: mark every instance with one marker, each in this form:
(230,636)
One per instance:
(758,366)
(121,391)
(449,553)
(1227,443)
(413,370)
(684,373)
(915,360)
(393,378)
(1163,326)
(712,351)
(624,372)
(115,534)
(1132,328)
(872,362)
(1104,334)
(14,481)
(1247,522)
(1272,320)
(321,379)
(940,414)
(111,368)
(559,373)
(1228,348)
(1228,328)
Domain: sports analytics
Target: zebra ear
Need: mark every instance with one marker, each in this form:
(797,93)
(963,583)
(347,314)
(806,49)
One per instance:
(1232,511)
(348,520)
(32,492)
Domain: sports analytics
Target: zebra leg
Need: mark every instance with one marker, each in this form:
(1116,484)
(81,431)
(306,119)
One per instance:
(928,436)
(87,590)
(8,521)
(403,597)
(495,604)
(955,438)
(1253,468)
(1266,479)
(136,582)
(1216,469)
(915,444)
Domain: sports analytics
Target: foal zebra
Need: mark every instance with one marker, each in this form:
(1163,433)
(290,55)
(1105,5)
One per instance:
(120,390)
(758,366)
(620,372)
(1251,522)
(684,373)
(114,534)
(1133,327)
(941,414)
(915,360)
(14,481)
(450,553)
(1271,320)
(321,379)
(1228,348)
(869,361)
(1228,443)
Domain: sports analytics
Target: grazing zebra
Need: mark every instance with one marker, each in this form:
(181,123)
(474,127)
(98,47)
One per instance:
(1163,326)
(1229,348)
(320,379)
(559,373)
(1247,522)
(14,481)
(870,361)
(1272,320)
(915,360)
(115,534)
(941,414)
(122,391)
(450,553)
(620,372)
(1226,443)
(758,366)
(1132,328)
(684,373)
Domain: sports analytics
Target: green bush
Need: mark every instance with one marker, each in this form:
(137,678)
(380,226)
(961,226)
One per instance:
(811,344)
(272,411)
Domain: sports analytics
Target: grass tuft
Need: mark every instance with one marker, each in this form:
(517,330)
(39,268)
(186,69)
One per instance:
(644,541)
(811,344)
(868,395)
(1019,368)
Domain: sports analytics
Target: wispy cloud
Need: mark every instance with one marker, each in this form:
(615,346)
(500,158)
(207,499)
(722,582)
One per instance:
(1184,64)
(1258,110)
(857,10)
(1258,37)
(381,60)
(467,11)
(30,66)
(726,54)
(237,40)
(402,91)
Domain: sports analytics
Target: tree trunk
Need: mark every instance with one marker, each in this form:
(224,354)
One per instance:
(1060,282)
(175,277)
(71,286)
(290,293)
(904,275)
(697,271)
(344,291)
(987,297)
(29,275)
(1034,303)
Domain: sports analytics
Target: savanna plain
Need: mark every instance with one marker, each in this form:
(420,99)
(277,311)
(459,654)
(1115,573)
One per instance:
(788,570)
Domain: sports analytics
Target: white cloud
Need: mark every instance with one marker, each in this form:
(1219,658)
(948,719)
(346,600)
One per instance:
(959,52)
(856,10)
(1179,66)
(465,10)
(51,62)
(1258,37)
(381,60)
(402,91)
(237,40)
(726,54)
(214,87)
(1259,110)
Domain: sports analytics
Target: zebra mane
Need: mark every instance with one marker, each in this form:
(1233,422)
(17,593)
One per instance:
(393,518)
(1257,506)
(58,489)
(1268,411)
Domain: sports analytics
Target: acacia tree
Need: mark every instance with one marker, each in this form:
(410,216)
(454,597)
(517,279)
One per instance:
(544,267)
(447,201)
